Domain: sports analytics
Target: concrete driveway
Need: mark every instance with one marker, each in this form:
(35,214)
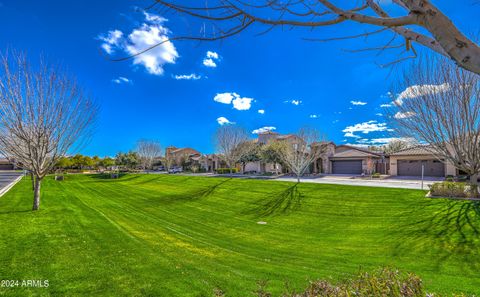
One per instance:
(390,182)
(8,178)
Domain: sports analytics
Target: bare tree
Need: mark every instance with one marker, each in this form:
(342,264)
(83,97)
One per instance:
(422,23)
(147,151)
(440,106)
(43,114)
(229,141)
(168,160)
(396,145)
(301,150)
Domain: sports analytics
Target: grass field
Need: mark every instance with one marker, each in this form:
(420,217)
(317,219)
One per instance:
(163,235)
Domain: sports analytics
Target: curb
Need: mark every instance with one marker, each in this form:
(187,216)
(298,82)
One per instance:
(10,185)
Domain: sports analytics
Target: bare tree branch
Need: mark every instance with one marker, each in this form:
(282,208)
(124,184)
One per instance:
(444,37)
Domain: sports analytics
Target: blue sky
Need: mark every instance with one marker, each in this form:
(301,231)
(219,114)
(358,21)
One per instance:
(174,95)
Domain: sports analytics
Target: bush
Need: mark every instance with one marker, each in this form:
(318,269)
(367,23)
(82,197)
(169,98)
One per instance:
(376,175)
(383,282)
(226,170)
(454,189)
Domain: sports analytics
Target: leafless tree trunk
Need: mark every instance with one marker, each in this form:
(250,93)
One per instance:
(423,23)
(43,114)
(148,150)
(440,105)
(229,140)
(301,150)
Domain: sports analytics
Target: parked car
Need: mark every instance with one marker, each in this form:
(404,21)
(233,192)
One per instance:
(175,170)
(159,168)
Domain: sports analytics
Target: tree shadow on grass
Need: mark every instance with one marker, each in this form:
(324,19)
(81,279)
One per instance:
(10,212)
(282,202)
(191,195)
(446,228)
(207,191)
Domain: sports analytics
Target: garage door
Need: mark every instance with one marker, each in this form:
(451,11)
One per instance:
(6,167)
(347,167)
(414,167)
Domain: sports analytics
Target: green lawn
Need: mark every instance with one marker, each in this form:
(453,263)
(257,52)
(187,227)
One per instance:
(163,235)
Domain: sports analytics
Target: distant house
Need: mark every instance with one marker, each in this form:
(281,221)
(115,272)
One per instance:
(181,156)
(342,159)
(347,159)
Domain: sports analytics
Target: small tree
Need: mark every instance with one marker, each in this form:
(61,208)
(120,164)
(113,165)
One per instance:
(299,152)
(147,151)
(127,160)
(107,162)
(228,140)
(43,114)
(270,153)
(440,106)
(250,152)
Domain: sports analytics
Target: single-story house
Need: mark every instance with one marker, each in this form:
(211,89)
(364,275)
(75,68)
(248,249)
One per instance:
(347,159)
(410,161)
(342,159)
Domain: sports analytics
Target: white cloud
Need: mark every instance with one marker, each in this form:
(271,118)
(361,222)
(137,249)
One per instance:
(225,98)
(239,103)
(294,102)
(314,116)
(224,121)
(383,141)
(153,18)
(420,90)
(151,34)
(404,115)
(261,111)
(365,128)
(386,105)
(379,114)
(263,129)
(358,102)
(210,59)
(110,40)
(212,55)
(209,63)
(191,76)
(242,103)
(121,79)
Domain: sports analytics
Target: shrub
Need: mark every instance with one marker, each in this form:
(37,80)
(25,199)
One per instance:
(376,175)
(454,189)
(383,282)
(226,170)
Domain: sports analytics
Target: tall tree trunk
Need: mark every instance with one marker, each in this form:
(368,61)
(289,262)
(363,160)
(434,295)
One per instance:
(474,179)
(33,180)
(36,194)
(298,178)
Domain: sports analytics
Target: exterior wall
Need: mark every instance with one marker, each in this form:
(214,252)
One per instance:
(260,167)
(449,168)
(253,166)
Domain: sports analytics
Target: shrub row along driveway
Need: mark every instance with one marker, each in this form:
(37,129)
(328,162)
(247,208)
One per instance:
(164,235)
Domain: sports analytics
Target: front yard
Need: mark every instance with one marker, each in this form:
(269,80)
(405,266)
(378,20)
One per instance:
(163,235)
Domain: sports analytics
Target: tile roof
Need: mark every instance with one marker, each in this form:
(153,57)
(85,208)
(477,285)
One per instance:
(414,151)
